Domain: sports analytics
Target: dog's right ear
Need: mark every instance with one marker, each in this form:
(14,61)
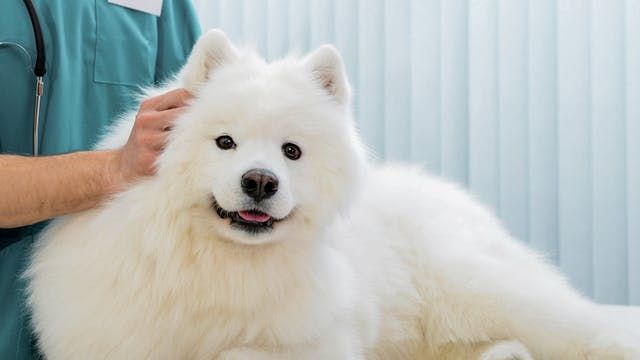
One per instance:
(212,50)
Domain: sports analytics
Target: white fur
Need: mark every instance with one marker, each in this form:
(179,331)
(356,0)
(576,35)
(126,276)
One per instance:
(371,262)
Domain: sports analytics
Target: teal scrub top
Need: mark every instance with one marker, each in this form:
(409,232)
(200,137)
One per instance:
(98,55)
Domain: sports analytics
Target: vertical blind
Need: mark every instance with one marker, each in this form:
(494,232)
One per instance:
(534,105)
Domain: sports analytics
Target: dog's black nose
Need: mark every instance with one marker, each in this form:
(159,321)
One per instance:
(260,184)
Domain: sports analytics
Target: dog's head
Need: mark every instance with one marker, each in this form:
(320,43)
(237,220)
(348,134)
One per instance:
(269,149)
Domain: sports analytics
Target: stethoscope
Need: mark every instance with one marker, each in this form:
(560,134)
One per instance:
(39,69)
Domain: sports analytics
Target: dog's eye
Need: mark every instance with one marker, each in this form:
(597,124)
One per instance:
(292,151)
(225,142)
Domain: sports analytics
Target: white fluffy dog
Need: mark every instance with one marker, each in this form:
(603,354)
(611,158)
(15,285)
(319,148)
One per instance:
(267,234)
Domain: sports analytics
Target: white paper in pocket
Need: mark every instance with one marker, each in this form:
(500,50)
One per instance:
(153,7)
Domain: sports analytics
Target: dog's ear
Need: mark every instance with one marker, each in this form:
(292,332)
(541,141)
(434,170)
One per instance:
(327,68)
(212,50)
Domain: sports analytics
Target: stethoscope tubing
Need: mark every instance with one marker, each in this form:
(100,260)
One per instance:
(39,70)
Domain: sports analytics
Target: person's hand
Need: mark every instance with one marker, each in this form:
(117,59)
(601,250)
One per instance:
(149,135)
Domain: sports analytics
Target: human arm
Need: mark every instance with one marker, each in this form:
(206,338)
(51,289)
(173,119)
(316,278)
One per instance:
(36,189)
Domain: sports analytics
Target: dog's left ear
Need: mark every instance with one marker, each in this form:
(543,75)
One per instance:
(212,50)
(327,68)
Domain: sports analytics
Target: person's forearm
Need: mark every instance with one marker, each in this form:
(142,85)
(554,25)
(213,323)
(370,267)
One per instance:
(36,189)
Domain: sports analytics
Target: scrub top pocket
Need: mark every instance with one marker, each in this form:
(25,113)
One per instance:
(124,55)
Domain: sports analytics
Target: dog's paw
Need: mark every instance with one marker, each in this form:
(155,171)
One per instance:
(506,350)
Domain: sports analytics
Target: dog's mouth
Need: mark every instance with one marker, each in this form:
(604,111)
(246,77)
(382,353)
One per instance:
(253,221)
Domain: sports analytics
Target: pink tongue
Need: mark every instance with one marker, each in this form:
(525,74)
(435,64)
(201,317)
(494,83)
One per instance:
(254,217)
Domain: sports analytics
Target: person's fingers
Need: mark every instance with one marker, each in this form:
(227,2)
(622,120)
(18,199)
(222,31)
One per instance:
(149,104)
(146,121)
(165,119)
(172,99)
(150,132)
(157,120)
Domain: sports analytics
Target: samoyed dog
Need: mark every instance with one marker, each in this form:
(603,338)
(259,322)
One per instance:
(268,234)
